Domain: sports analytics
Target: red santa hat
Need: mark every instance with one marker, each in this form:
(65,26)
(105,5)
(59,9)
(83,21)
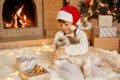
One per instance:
(69,13)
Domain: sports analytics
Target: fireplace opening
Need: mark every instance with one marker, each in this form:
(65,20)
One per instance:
(19,14)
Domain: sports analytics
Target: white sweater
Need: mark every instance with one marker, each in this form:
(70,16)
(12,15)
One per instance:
(75,49)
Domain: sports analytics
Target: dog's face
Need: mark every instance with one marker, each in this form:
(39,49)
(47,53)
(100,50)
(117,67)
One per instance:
(62,42)
(65,41)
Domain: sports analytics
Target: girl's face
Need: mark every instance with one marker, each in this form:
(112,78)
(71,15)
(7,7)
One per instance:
(66,26)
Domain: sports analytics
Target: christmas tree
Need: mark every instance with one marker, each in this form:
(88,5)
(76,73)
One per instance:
(93,8)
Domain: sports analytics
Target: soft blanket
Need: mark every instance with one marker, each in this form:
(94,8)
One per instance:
(99,64)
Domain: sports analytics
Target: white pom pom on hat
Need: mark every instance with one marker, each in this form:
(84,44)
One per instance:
(69,13)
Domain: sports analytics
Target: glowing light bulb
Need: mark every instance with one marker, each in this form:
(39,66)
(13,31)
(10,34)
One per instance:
(9,78)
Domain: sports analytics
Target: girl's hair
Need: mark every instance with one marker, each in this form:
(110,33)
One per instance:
(60,20)
(63,21)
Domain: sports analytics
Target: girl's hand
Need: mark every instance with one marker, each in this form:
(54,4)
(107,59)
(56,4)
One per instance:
(58,52)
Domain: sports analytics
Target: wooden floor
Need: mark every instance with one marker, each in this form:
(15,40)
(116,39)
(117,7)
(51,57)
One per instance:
(18,42)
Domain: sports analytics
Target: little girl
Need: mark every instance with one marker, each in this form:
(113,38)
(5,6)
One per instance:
(69,18)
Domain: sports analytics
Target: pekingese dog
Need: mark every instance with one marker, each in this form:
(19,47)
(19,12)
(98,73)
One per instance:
(66,41)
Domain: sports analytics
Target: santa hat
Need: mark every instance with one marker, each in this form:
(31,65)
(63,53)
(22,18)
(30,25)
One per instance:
(69,13)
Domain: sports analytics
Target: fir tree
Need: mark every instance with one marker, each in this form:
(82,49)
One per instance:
(93,8)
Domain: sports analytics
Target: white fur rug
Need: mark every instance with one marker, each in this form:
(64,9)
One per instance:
(8,69)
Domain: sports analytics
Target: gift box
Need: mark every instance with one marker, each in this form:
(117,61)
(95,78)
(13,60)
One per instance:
(108,32)
(105,20)
(37,73)
(25,64)
(106,43)
(29,69)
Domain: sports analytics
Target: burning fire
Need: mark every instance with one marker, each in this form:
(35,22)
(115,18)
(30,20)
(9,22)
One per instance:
(19,20)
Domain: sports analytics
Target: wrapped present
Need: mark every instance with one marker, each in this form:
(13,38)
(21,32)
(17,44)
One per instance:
(25,64)
(29,69)
(105,20)
(106,43)
(108,32)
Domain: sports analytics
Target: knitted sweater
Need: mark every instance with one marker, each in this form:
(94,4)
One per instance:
(74,49)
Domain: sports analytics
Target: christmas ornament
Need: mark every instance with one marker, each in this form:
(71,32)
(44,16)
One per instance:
(87,3)
(115,8)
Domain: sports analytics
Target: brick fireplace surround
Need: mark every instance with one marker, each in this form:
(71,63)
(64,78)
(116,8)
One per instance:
(34,36)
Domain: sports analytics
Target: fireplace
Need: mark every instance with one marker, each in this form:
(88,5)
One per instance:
(19,14)
(21,18)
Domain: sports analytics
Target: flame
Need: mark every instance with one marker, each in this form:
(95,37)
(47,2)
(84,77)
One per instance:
(19,20)
(25,18)
(16,16)
(15,21)
(9,24)
(23,21)
(19,10)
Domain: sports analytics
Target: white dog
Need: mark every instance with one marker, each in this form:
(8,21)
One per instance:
(67,71)
(65,41)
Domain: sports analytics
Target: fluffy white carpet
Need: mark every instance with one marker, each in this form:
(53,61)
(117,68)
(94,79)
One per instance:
(8,70)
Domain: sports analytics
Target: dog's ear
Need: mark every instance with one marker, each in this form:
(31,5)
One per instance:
(56,46)
(72,40)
